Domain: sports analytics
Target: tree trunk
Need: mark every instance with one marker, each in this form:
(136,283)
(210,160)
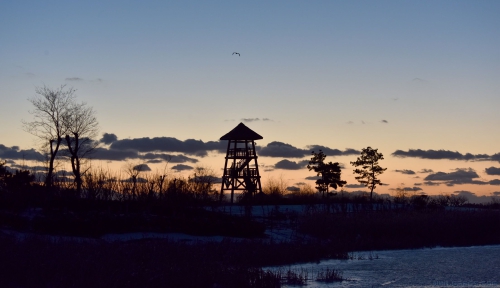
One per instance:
(53,153)
(75,162)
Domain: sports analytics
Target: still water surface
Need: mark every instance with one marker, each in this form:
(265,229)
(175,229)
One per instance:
(477,266)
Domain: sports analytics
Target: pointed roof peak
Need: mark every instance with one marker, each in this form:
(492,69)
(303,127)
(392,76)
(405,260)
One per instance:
(241,132)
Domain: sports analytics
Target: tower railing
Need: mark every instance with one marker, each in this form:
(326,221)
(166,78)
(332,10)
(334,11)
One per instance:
(234,172)
(240,152)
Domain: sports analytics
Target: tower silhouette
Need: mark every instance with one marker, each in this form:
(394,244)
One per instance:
(241,171)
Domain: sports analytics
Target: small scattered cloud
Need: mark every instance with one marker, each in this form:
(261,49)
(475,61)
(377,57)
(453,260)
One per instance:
(405,171)
(248,120)
(492,171)
(141,168)
(293,189)
(313,177)
(290,165)
(439,154)
(384,121)
(354,186)
(108,138)
(74,79)
(460,174)
(280,149)
(182,167)
(495,157)
(494,182)
(407,189)
(333,152)
(426,171)
(430,183)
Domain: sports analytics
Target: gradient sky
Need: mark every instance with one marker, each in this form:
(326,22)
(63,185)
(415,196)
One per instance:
(394,75)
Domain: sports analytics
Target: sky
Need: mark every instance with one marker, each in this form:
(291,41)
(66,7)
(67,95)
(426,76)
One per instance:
(417,80)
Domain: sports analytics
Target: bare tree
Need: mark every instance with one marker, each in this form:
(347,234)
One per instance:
(82,129)
(51,107)
(134,170)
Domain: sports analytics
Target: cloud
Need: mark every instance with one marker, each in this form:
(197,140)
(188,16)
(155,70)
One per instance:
(169,144)
(293,189)
(458,175)
(141,168)
(247,120)
(492,171)
(108,138)
(495,157)
(14,153)
(406,171)
(182,167)
(280,149)
(312,177)
(290,165)
(384,121)
(419,80)
(494,182)
(333,152)
(426,171)
(74,79)
(101,153)
(179,158)
(430,183)
(439,154)
(355,186)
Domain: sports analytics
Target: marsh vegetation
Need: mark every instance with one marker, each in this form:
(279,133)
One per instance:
(324,228)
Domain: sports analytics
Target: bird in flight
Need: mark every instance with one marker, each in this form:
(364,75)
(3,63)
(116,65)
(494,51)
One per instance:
(236,53)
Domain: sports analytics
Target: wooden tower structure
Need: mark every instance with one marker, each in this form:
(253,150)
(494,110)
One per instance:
(241,171)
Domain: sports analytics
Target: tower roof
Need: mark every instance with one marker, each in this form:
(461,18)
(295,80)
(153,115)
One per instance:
(241,132)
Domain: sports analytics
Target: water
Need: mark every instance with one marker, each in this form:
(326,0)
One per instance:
(477,266)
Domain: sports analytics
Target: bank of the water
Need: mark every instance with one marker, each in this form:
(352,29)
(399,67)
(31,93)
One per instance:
(476,266)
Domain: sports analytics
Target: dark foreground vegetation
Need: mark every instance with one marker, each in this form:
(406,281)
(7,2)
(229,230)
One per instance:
(330,227)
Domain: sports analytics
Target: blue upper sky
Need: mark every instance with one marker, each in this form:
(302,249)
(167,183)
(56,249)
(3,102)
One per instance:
(395,75)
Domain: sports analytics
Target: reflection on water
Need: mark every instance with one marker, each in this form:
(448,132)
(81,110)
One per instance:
(477,266)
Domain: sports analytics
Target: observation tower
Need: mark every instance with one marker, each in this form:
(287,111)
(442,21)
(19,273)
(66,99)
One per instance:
(241,171)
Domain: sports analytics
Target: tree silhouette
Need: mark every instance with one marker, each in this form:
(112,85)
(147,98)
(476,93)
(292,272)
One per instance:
(82,127)
(370,169)
(51,107)
(329,172)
